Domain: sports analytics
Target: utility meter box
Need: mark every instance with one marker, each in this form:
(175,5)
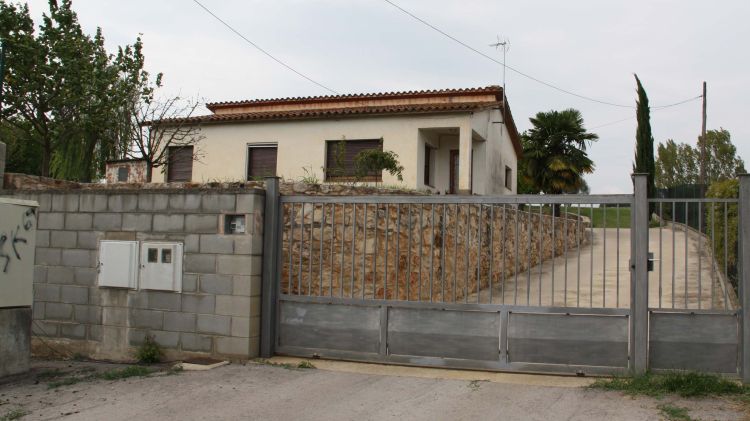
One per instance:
(161,266)
(17,241)
(118,264)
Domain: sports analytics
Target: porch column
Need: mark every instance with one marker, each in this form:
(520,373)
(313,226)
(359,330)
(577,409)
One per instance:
(464,160)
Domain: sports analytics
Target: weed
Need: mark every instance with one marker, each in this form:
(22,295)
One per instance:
(13,415)
(131,371)
(149,352)
(674,413)
(305,364)
(174,370)
(310,177)
(685,384)
(67,381)
(50,374)
(475,384)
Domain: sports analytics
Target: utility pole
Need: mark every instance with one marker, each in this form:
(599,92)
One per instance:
(702,180)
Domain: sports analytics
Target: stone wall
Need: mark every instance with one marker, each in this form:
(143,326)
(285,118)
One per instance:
(336,249)
(216,313)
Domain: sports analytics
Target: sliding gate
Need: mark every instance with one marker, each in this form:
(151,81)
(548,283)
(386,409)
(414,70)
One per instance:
(518,283)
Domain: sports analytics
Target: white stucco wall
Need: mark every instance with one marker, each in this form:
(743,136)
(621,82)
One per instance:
(302,147)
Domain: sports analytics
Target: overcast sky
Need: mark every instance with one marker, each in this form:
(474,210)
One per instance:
(354,46)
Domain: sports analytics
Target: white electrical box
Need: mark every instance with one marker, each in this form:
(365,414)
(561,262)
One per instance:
(118,264)
(161,266)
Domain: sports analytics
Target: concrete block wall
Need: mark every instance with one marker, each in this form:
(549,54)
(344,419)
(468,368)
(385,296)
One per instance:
(218,310)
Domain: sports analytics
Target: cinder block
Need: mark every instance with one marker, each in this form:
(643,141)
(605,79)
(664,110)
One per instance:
(193,342)
(95,295)
(93,202)
(85,276)
(88,240)
(58,311)
(178,201)
(136,336)
(189,282)
(73,331)
(65,202)
(218,325)
(230,305)
(169,223)
(78,258)
(42,238)
(216,284)
(256,284)
(122,202)
(51,221)
(204,304)
(136,222)
(46,292)
(152,202)
(91,315)
(74,295)
(60,275)
(166,339)
(254,346)
(241,327)
(78,221)
(241,285)
(200,263)
(248,244)
(114,316)
(37,311)
(218,202)
(40,274)
(148,319)
(45,202)
(163,300)
(45,329)
(202,224)
(107,222)
(235,265)
(250,203)
(254,327)
(192,243)
(47,256)
(254,306)
(179,322)
(63,239)
(219,244)
(233,346)
(94,333)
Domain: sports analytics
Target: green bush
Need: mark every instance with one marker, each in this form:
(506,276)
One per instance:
(149,352)
(371,162)
(719,223)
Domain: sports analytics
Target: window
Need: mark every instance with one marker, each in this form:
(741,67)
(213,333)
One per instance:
(179,163)
(429,153)
(508,178)
(261,161)
(122,174)
(340,156)
(153,255)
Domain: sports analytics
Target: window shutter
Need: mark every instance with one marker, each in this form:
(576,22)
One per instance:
(261,162)
(180,163)
(353,147)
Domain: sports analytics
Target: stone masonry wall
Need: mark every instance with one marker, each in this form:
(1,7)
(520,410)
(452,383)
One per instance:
(217,312)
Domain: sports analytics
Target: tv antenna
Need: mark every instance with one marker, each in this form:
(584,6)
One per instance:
(505,45)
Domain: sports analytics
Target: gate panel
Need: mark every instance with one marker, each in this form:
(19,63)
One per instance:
(335,327)
(443,333)
(694,341)
(571,339)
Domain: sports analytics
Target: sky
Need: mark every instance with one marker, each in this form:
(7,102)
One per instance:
(590,47)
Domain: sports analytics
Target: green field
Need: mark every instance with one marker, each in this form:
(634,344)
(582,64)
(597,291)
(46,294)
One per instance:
(602,217)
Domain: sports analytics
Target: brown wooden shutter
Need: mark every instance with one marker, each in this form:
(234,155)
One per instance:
(180,163)
(353,147)
(261,162)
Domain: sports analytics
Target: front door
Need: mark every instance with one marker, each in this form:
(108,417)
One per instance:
(454,172)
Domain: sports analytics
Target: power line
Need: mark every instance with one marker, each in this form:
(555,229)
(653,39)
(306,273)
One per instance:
(449,36)
(264,51)
(659,108)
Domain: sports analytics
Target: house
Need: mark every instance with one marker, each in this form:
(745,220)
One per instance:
(450,141)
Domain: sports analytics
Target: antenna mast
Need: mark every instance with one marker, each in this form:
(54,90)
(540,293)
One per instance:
(505,45)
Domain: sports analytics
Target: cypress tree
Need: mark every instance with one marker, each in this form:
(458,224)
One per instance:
(644,141)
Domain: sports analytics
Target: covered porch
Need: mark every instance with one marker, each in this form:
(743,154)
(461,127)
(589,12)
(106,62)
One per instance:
(451,160)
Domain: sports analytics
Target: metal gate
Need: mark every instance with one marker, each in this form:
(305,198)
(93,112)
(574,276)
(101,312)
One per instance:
(518,283)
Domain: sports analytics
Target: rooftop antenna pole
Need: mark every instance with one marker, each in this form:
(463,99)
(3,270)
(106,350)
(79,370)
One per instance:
(505,45)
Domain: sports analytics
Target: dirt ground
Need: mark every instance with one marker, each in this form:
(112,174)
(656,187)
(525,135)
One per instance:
(334,391)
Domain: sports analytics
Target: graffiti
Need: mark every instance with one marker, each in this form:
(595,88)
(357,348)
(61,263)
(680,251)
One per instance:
(28,217)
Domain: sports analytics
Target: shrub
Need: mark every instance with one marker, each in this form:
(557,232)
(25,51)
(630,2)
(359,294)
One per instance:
(375,161)
(149,352)
(718,223)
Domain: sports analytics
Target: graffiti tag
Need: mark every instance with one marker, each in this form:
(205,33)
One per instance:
(28,217)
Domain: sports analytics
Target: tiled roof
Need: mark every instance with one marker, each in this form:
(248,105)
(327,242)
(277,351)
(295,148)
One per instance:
(492,89)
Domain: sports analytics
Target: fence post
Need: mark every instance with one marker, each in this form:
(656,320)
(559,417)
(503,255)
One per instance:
(639,284)
(270,274)
(744,281)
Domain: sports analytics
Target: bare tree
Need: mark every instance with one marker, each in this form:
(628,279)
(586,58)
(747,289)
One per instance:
(156,125)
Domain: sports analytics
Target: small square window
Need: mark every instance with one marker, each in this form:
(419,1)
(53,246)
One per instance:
(234,224)
(153,255)
(166,255)
(122,174)
(508,178)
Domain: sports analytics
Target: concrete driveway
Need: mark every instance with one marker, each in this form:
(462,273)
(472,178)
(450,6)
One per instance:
(336,391)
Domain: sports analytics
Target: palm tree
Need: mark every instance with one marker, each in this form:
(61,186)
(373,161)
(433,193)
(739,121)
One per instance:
(554,151)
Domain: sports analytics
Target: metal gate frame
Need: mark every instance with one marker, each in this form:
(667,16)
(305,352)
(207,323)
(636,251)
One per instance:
(640,318)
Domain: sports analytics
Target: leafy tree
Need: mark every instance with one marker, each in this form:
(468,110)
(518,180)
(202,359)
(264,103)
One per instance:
(554,154)
(679,163)
(63,91)
(718,223)
(375,161)
(644,140)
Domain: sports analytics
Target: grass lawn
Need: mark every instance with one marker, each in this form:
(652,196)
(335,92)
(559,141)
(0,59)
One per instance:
(601,216)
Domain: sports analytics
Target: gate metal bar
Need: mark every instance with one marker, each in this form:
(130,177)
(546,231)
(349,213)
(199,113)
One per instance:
(744,260)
